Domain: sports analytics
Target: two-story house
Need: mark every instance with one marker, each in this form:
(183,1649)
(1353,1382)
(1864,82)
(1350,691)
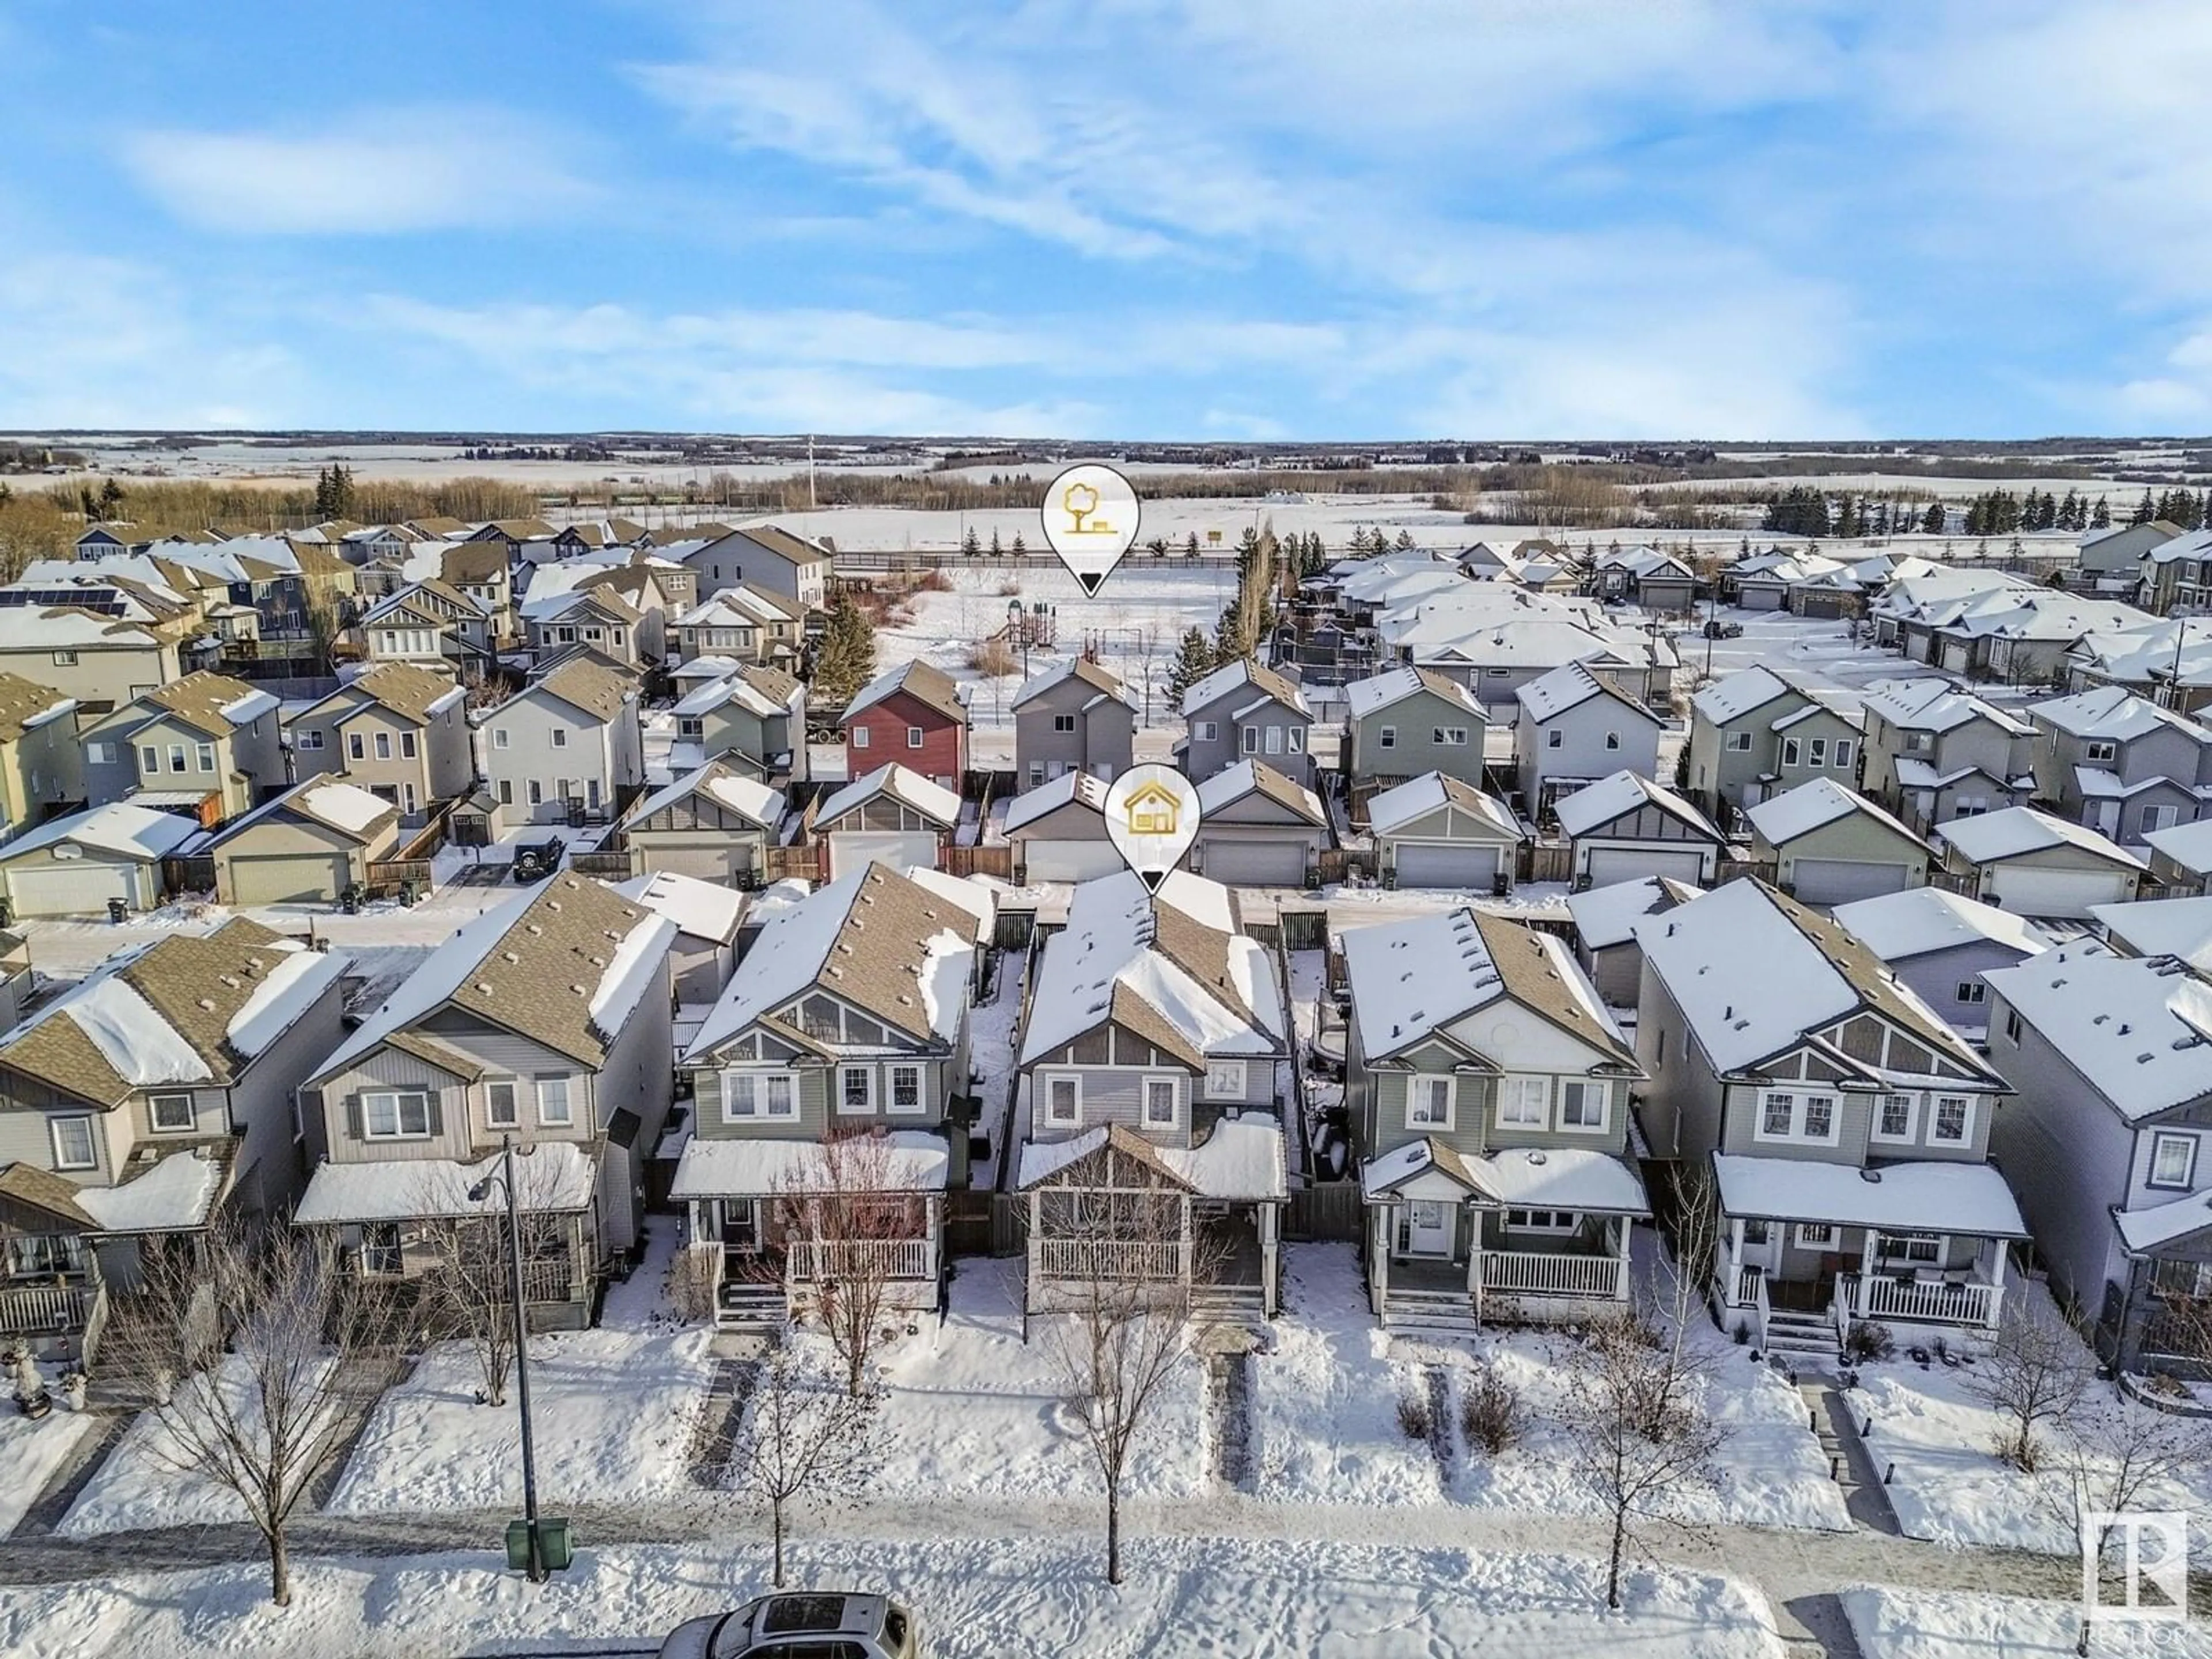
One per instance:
(547,1021)
(41,759)
(430,625)
(1940,944)
(1075,718)
(1148,1109)
(1488,1091)
(911,716)
(765,557)
(2176,577)
(834,1070)
(1761,732)
(1934,754)
(141,1103)
(479,572)
(399,731)
(741,624)
(1405,722)
(753,717)
(205,736)
(592,617)
(1572,727)
(1243,711)
(1845,1124)
(2118,763)
(87,655)
(570,743)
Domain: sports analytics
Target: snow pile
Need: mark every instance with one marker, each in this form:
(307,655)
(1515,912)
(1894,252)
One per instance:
(948,964)
(700,908)
(300,976)
(642,950)
(143,1048)
(346,806)
(31,1452)
(176,1192)
(613,1414)
(1906,1624)
(555,1177)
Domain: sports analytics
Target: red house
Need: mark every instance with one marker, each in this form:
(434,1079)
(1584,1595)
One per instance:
(912,716)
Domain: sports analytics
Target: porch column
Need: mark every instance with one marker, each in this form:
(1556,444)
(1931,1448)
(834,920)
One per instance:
(933,1237)
(1379,1229)
(1030,1279)
(1623,1226)
(1997,1279)
(1474,1250)
(1869,1250)
(1734,1258)
(1271,1232)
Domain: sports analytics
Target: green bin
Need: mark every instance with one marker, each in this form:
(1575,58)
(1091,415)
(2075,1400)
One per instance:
(554,1549)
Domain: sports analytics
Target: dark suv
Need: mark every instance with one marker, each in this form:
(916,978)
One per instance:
(534,861)
(826,1625)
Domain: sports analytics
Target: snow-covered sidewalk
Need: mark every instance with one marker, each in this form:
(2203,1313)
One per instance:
(1892,1624)
(30,1453)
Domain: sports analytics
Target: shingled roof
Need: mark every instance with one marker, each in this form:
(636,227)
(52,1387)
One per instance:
(199,698)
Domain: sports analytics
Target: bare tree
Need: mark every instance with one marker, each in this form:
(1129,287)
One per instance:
(2112,1456)
(803,1435)
(248,1339)
(1125,1332)
(844,1218)
(1686,1269)
(2035,1374)
(1636,1436)
(469,1288)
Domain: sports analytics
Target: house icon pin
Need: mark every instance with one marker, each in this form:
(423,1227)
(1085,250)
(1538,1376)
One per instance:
(1153,810)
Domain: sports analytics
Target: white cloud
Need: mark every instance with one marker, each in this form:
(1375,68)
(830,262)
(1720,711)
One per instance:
(409,169)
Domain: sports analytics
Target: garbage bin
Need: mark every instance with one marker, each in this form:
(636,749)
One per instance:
(409,893)
(117,910)
(350,900)
(556,1550)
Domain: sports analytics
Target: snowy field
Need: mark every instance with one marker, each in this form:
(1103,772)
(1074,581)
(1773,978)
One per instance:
(31,1452)
(1895,1624)
(1184,1598)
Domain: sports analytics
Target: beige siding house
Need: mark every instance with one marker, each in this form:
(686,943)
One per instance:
(308,846)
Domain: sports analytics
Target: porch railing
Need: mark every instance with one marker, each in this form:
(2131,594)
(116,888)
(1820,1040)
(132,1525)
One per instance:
(1877,1297)
(1528,1272)
(1749,1283)
(1112,1260)
(42,1309)
(807,1259)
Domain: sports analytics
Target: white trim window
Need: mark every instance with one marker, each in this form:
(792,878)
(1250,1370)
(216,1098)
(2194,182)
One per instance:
(1542,1221)
(906,1097)
(310,737)
(1816,1236)
(1738,743)
(860,736)
(1063,1099)
(1585,1105)
(1224,1079)
(2173,1161)
(1159,1110)
(916,737)
(1207,732)
(395,1115)
(555,1108)
(856,1091)
(1249,738)
(1843,754)
(1429,1102)
(1790,751)
(1524,1102)
(1448,736)
(1294,739)
(1896,1118)
(172,1114)
(1064,724)
(502,1104)
(1785,1115)
(1913,1249)
(1953,1124)
(1555,739)
(73,1143)
(1387,737)
(751,1095)
(1971,993)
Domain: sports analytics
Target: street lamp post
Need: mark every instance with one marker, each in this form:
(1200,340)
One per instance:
(536,1560)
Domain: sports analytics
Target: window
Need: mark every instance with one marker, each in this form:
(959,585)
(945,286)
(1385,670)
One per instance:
(1754,1232)
(1923,1250)
(1778,1114)
(407,745)
(537,793)
(1207,731)
(1816,751)
(1582,1105)
(72,1138)
(203,756)
(1972,991)
(1294,739)
(65,659)
(1036,773)
(1429,1103)
(499,738)
(759,1094)
(172,1114)
(507,792)
(1784,1116)
(1387,739)
(311,738)
(1250,739)
(150,759)
(1918,743)
(384,746)
(1820,1117)
(2159,818)
(906,1088)
(1063,1101)
(1738,743)
(1791,754)
(1274,739)
(2173,1161)
(381,1250)
(594,636)
(1159,1103)
(860,736)
(176,757)
(1555,739)
(560,737)
(393,1116)
(2011,1026)
(502,1108)
(1612,740)
(1815,1236)
(1954,1118)
(914,737)
(554,1108)
(1450,737)
(1894,1117)
(1525,1102)
(1224,1079)
(2101,750)
(1063,722)
(1843,754)
(1540,1221)
(856,1089)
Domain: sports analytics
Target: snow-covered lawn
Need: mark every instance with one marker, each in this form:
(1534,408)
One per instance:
(972,1409)
(1183,1598)
(614,1413)
(1896,1624)
(1327,1427)
(30,1453)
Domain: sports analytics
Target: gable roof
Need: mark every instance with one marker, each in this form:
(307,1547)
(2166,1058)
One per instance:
(1916,921)
(1783,818)
(328,801)
(2162,927)
(927,684)
(725,786)
(702,909)
(1391,809)
(1080,669)
(2139,1028)
(1051,795)
(1933,705)
(413,692)
(212,703)
(1606,916)
(1627,792)
(1233,677)
(1989,837)
(1570,685)
(1392,686)
(1248,777)
(25,705)
(782,543)
(2113,711)
(138,832)
(586,686)
(2188,845)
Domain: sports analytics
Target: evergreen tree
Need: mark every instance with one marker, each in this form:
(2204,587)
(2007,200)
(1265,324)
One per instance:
(1190,545)
(2100,516)
(1229,633)
(1021,547)
(2145,511)
(1931,522)
(997,551)
(1405,542)
(334,493)
(110,498)
(1847,518)
(972,545)
(846,660)
(1193,661)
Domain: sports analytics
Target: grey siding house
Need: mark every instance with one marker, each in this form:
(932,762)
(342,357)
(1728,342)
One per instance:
(1605,920)
(1940,944)
(1625,827)
(2181,857)
(1735,738)
(1488,1091)
(1058,830)
(1258,828)
(1243,711)
(1436,831)
(1846,1125)
(1574,727)
(571,741)
(1407,722)
(714,823)
(765,557)
(1934,754)
(2118,763)
(399,731)
(140,1105)
(1829,845)
(1076,718)
(2039,866)
(753,717)
(546,1021)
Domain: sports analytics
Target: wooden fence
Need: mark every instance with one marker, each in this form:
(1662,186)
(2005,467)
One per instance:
(1333,1211)
(1546,860)
(791,863)
(612,864)
(980,861)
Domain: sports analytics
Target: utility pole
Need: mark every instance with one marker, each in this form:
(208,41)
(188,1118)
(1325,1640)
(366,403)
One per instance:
(535,1559)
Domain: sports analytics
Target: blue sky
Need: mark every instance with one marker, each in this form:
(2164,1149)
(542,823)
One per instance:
(1130,218)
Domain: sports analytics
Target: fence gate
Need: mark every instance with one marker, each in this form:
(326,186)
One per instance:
(1332,1212)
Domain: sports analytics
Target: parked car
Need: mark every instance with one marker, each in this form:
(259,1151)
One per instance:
(1717,630)
(820,1624)
(534,861)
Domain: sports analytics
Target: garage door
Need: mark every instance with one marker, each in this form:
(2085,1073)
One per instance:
(1608,865)
(720,863)
(1839,881)
(1438,864)
(299,879)
(1069,860)
(1255,863)
(80,888)
(2031,892)
(855,848)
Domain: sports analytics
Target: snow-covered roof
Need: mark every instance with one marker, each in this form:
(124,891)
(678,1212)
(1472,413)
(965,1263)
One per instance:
(2162,927)
(137,832)
(343,805)
(1914,921)
(1054,793)
(922,681)
(726,787)
(2146,1230)
(1570,686)
(1394,685)
(1930,1197)
(1392,809)
(1167,965)
(730,688)
(913,1161)
(1988,837)
(1734,695)
(1076,668)
(2112,711)
(2188,845)
(931,800)
(1521,1177)
(1783,818)
(553,1178)
(1623,792)
(1242,1160)
(1606,916)
(2139,1028)
(700,908)
(176,1194)
(1232,783)
(1932,705)
(1232,676)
